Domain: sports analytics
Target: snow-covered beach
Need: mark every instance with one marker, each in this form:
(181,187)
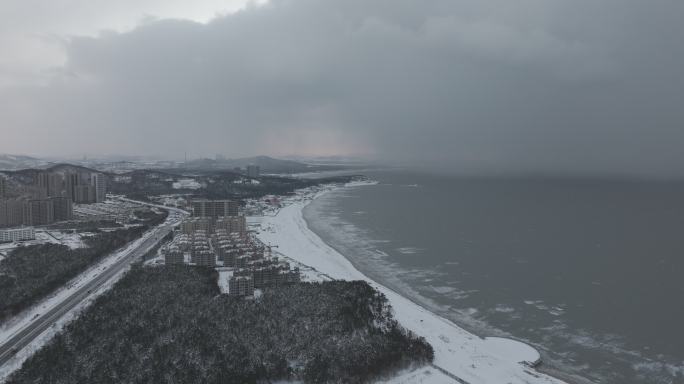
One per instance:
(459,353)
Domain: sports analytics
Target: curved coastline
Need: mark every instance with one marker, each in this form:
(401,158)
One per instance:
(458,352)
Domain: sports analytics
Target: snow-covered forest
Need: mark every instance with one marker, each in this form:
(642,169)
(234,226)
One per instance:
(171,325)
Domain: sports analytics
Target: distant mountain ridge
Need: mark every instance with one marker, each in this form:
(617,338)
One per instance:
(266,164)
(14,162)
(71,168)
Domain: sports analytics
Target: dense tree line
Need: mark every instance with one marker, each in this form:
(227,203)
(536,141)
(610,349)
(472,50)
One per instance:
(84,226)
(30,273)
(281,186)
(150,217)
(171,325)
(216,185)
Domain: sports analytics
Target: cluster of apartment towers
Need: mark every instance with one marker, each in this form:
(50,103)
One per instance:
(49,198)
(216,236)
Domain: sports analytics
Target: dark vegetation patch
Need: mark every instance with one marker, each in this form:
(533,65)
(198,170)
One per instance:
(84,226)
(140,184)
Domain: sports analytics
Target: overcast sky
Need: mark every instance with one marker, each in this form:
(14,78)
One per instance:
(496,85)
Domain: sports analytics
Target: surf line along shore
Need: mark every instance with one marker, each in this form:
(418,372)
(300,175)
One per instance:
(468,357)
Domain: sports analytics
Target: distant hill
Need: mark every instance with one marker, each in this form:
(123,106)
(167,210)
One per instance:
(14,162)
(22,177)
(331,160)
(267,164)
(71,168)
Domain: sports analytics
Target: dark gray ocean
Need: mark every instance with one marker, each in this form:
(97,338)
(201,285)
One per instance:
(588,271)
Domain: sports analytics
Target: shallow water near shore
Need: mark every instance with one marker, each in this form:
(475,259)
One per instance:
(587,271)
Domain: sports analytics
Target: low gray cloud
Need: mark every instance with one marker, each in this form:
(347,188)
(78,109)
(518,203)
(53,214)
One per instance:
(526,86)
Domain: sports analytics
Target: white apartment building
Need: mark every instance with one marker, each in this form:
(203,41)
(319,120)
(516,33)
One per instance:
(17,234)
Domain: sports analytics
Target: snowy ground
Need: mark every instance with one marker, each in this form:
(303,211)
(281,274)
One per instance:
(187,184)
(224,275)
(462,354)
(425,375)
(71,240)
(158,259)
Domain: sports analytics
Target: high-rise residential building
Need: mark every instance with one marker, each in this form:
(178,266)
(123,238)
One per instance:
(49,184)
(84,194)
(12,212)
(85,188)
(253,170)
(71,181)
(214,208)
(40,212)
(63,208)
(57,187)
(16,212)
(41,184)
(97,180)
(3,186)
(3,213)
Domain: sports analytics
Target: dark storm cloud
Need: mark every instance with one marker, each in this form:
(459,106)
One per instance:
(552,86)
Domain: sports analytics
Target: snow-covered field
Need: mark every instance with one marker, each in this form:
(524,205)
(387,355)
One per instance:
(469,357)
(187,184)
(71,240)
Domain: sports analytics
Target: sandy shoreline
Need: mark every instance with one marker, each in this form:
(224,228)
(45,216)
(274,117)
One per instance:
(457,351)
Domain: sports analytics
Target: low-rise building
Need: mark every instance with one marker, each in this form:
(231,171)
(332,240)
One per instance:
(17,234)
(214,208)
(227,245)
(274,275)
(242,261)
(232,224)
(228,254)
(173,255)
(194,224)
(205,258)
(241,286)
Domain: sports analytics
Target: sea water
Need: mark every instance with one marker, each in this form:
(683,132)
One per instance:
(588,271)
